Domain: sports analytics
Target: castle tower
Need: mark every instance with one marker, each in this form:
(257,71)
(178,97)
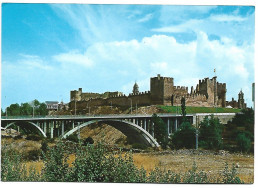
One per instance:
(76,95)
(191,90)
(241,101)
(215,92)
(135,89)
(161,90)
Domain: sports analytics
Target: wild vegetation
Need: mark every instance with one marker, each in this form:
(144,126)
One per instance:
(96,163)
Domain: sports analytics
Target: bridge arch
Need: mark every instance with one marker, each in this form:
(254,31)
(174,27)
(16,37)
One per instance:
(131,130)
(35,125)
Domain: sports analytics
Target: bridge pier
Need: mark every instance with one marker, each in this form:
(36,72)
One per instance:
(52,125)
(168,125)
(44,127)
(144,124)
(153,129)
(78,131)
(62,128)
(176,122)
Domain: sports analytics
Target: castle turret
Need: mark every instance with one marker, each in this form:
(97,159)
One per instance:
(161,90)
(241,101)
(135,89)
(75,95)
(191,90)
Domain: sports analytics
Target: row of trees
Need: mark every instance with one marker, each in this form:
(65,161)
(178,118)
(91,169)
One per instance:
(32,108)
(209,132)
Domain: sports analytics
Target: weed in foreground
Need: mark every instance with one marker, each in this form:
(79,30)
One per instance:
(94,163)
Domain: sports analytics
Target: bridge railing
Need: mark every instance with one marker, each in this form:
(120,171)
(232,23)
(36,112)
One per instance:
(88,116)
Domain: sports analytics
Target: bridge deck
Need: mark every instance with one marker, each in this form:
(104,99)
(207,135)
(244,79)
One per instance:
(113,116)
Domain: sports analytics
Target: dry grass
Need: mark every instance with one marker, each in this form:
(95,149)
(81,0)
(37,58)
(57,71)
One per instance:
(20,145)
(213,165)
(37,165)
(146,161)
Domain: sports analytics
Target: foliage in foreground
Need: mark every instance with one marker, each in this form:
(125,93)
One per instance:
(160,131)
(96,164)
(184,137)
(211,133)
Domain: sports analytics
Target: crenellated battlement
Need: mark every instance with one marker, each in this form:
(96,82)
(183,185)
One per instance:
(140,93)
(208,92)
(180,88)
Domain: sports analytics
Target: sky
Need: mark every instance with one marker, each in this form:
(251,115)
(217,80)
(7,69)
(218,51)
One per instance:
(50,49)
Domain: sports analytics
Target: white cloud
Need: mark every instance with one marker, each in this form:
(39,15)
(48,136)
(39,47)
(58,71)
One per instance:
(170,14)
(226,18)
(224,26)
(146,18)
(188,26)
(74,58)
(31,62)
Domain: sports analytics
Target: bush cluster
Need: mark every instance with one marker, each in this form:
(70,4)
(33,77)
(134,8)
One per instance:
(93,163)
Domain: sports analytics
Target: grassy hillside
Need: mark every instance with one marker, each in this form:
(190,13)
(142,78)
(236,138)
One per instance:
(191,109)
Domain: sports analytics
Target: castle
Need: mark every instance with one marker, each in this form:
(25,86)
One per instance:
(208,93)
(240,103)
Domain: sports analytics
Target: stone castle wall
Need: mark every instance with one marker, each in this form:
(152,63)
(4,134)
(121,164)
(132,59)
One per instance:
(141,99)
(208,93)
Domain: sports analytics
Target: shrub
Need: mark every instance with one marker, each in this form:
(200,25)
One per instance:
(10,166)
(192,176)
(18,137)
(139,146)
(44,146)
(32,155)
(73,138)
(96,164)
(160,131)
(211,133)
(34,137)
(184,137)
(56,167)
(243,142)
(230,176)
(13,170)
(88,140)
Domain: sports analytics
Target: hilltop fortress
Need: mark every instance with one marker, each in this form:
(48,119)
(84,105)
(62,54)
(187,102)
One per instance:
(208,93)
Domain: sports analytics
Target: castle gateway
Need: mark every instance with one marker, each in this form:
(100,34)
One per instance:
(208,93)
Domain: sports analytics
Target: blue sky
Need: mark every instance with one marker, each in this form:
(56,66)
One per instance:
(50,49)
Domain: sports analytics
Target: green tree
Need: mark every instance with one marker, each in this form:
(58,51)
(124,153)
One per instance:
(183,109)
(26,109)
(36,103)
(211,133)
(160,131)
(184,137)
(244,119)
(14,110)
(243,142)
(42,109)
(2,112)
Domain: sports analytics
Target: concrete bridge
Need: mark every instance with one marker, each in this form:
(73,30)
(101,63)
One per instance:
(138,128)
